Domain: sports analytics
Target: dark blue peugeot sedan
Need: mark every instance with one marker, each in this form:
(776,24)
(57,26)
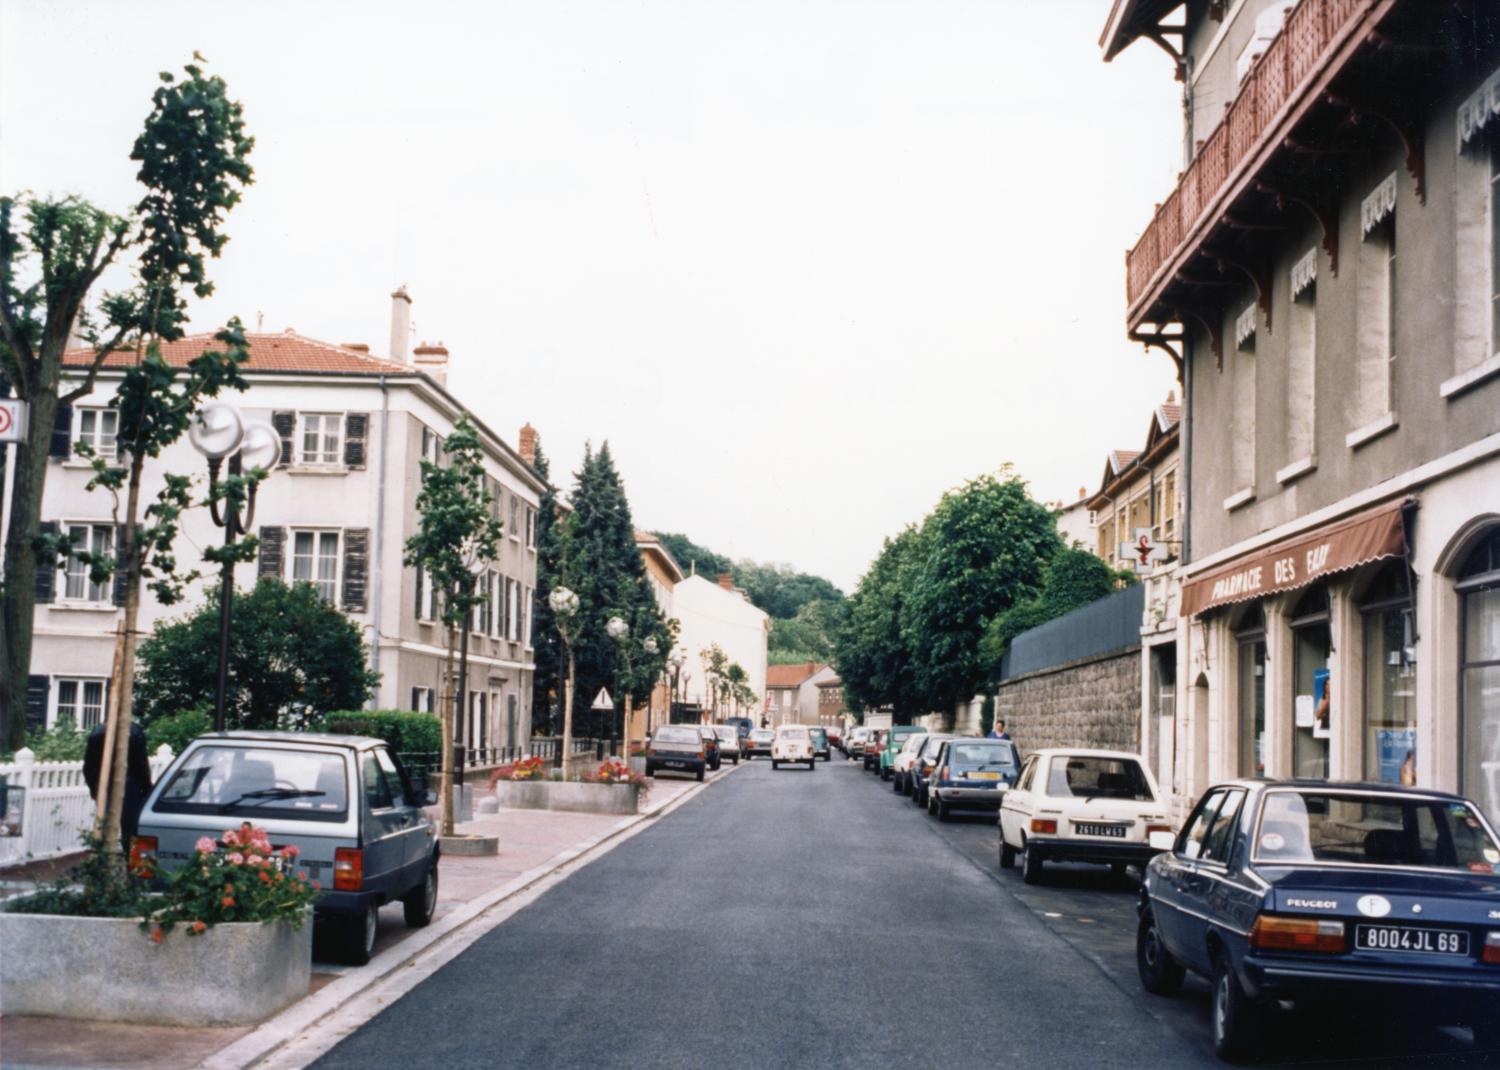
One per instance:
(1315,892)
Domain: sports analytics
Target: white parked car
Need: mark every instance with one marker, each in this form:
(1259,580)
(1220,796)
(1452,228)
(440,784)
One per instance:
(901,764)
(793,743)
(1083,806)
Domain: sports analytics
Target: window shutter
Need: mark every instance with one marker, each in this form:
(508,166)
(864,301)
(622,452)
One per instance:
(285,424)
(62,433)
(421,592)
(46,566)
(356,427)
(272,546)
(122,573)
(38,690)
(356,567)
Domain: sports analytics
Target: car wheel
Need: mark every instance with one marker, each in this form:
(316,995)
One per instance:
(419,904)
(896,784)
(1031,864)
(812,765)
(1007,854)
(1161,974)
(357,942)
(1235,1016)
(700,776)
(650,769)
(1117,872)
(931,803)
(775,764)
(942,810)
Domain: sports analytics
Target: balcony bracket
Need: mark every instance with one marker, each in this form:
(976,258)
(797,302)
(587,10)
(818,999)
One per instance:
(1212,321)
(1325,214)
(1408,131)
(1170,342)
(1258,278)
(1156,36)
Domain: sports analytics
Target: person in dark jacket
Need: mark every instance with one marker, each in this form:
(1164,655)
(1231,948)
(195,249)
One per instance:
(137,776)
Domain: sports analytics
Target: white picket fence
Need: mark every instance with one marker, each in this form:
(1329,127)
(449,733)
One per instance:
(53,808)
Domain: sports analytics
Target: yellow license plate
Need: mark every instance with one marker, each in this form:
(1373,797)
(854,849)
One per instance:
(984,776)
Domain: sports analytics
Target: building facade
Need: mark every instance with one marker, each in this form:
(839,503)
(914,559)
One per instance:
(792,693)
(711,612)
(1341,581)
(664,573)
(336,513)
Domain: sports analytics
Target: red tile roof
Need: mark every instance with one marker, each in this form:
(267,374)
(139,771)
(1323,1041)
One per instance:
(1119,459)
(286,352)
(790,675)
(1168,416)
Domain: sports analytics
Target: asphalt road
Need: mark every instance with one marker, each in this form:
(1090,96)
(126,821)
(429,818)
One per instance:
(796,919)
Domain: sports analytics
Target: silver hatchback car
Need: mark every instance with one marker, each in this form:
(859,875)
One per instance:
(344,801)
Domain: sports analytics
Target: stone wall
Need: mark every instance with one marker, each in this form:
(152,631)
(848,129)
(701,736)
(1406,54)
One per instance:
(1088,703)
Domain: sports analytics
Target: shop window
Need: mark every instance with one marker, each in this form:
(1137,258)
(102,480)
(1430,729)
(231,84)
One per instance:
(1251,636)
(1390,714)
(1479,691)
(1312,686)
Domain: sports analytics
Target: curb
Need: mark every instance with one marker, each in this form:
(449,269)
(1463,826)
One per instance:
(319,1021)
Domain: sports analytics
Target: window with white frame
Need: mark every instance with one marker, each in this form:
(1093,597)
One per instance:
(1476,241)
(531,527)
(528,601)
(497,603)
(320,438)
(96,428)
(515,517)
(486,605)
(427,597)
(1301,370)
(315,560)
(80,702)
(1370,400)
(96,539)
(423,700)
(515,612)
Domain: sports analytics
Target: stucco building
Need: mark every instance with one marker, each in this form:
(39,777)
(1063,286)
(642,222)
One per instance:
(1325,274)
(792,693)
(718,612)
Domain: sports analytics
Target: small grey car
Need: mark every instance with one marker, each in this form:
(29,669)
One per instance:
(345,802)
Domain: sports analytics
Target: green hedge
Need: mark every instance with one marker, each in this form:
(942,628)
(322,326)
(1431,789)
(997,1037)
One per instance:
(404,730)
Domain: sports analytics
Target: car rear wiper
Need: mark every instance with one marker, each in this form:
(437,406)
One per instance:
(266,795)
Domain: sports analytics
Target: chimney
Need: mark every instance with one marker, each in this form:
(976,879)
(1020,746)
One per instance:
(726,580)
(527,447)
(433,360)
(358,347)
(400,323)
(812,667)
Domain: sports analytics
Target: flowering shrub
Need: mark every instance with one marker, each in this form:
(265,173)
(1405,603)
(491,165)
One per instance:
(236,878)
(532,768)
(614,771)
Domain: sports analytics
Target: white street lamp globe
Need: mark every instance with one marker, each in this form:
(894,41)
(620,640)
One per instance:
(217,430)
(564,602)
(261,447)
(617,628)
(678,659)
(649,646)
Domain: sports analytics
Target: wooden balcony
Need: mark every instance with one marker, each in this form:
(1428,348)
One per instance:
(1317,39)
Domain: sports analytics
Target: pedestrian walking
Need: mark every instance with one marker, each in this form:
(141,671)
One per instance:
(999,732)
(137,776)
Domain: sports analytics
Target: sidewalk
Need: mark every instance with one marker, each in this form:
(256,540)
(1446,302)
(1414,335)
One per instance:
(534,844)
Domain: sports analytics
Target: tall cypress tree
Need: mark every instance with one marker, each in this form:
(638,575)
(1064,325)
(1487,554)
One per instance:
(546,681)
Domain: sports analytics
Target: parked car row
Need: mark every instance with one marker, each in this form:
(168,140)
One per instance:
(1295,893)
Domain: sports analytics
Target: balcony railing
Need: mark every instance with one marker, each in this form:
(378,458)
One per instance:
(1294,58)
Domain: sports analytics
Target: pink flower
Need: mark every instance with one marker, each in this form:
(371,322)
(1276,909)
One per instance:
(235,859)
(230,838)
(205,845)
(291,850)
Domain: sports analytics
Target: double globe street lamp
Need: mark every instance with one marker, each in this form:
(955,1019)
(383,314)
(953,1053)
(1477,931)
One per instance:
(564,606)
(219,431)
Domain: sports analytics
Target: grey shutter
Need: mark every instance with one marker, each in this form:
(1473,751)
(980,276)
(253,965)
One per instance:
(122,573)
(356,427)
(285,424)
(272,546)
(46,566)
(420,592)
(414,706)
(38,690)
(356,568)
(62,433)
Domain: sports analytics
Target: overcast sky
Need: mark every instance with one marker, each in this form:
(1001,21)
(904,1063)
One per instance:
(805,265)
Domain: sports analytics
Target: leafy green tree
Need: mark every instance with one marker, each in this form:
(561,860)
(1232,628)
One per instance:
(691,557)
(810,635)
(292,657)
(1073,578)
(871,650)
(550,660)
(781,591)
(984,546)
(457,534)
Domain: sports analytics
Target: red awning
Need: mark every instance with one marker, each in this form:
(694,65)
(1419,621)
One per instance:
(1296,562)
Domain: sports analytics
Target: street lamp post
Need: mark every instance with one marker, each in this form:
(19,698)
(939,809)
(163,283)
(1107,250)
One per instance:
(219,431)
(677,661)
(619,631)
(649,645)
(564,604)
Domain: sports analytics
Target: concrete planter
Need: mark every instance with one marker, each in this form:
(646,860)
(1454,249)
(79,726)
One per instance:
(108,969)
(569,795)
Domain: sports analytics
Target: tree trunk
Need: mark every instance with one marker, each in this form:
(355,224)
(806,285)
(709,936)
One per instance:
(567,737)
(18,591)
(124,671)
(445,780)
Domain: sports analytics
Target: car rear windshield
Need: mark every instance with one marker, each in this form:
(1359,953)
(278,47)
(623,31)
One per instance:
(792,732)
(259,782)
(1095,777)
(1374,830)
(678,734)
(980,756)
(727,732)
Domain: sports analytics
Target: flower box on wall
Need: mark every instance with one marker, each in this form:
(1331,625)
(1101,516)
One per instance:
(109,969)
(572,795)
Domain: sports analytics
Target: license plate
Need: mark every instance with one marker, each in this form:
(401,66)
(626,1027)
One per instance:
(984,776)
(1117,831)
(675,765)
(1409,939)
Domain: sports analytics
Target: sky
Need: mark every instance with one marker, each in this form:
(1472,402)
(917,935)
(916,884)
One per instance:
(805,265)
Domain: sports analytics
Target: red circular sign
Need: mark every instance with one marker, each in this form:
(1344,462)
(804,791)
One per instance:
(5,419)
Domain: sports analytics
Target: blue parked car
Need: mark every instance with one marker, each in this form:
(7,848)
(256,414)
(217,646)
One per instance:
(1310,891)
(972,774)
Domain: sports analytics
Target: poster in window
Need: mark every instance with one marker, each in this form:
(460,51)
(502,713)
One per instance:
(1322,704)
(1397,755)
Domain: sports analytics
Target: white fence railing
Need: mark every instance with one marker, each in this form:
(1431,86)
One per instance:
(52,809)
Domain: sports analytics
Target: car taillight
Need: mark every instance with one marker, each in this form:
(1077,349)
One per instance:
(700,754)
(348,869)
(943,775)
(142,855)
(1492,947)
(1158,828)
(1271,933)
(1047,827)
(650,752)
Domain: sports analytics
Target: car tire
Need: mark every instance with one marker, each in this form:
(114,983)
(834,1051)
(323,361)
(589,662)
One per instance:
(1235,1017)
(1160,973)
(812,765)
(357,938)
(942,810)
(1007,854)
(700,776)
(931,803)
(896,784)
(650,769)
(419,904)
(1031,864)
(775,764)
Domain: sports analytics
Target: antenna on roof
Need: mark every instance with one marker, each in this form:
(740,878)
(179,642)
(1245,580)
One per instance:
(260,322)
